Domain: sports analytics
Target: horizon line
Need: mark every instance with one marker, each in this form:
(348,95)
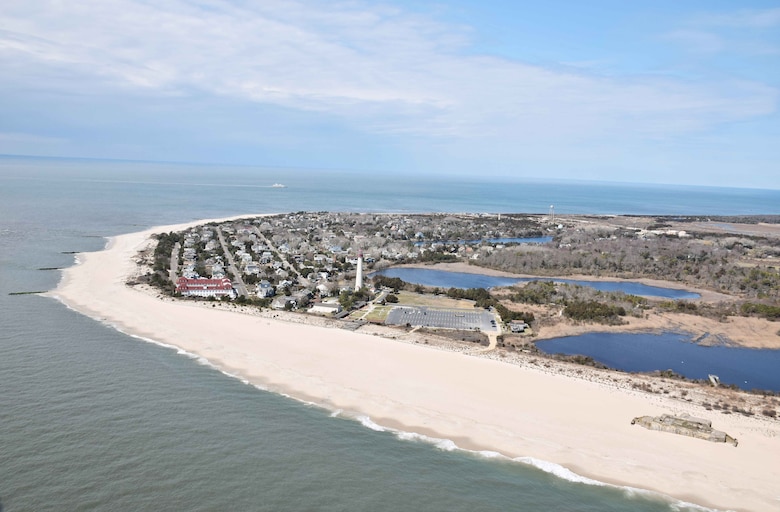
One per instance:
(357,170)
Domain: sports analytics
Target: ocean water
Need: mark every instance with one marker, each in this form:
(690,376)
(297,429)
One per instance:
(93,419)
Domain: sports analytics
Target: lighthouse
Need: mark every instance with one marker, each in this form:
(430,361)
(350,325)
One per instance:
(359,275)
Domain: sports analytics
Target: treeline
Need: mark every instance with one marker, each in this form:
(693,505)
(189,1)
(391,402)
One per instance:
(761,310)
(162,261)
(714,262)
(550,292)
(535,292)
(580,302)
(162,253)
(437,256)
(723,309)
(593,311)
(737,219)
(484,299)
(349,299)
(396,283)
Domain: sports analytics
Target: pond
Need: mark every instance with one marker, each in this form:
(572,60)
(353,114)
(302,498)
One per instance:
(445,279)
(746,368)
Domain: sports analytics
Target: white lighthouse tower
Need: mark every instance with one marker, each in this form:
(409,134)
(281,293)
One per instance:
(359,275)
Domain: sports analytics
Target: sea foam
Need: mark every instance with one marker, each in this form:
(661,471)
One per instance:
(548,467)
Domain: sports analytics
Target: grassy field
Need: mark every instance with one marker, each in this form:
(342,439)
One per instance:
(432,301)
(379,313)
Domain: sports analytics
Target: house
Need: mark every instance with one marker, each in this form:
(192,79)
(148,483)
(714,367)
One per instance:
(516,326)
(284,302)
(205,287)
(325,308)
(265,290)
(302,297)
(283,285)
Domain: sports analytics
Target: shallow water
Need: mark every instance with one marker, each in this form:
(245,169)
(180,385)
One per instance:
(747,368)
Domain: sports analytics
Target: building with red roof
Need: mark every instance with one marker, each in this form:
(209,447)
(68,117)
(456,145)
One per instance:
(205,287)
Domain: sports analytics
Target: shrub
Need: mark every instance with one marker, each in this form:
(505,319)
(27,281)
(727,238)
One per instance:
(592,310)
(762,310)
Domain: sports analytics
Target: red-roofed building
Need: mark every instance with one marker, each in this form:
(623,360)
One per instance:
(205,287)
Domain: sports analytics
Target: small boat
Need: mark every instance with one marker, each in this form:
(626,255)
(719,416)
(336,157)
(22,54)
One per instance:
(278,185)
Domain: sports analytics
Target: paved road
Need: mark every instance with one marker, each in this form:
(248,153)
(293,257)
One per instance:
(174,262)
(238,281)
(285,263)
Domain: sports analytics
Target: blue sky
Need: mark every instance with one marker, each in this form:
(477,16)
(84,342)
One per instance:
(641,91)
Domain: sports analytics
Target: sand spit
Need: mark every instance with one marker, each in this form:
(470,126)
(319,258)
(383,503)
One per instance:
(519,410)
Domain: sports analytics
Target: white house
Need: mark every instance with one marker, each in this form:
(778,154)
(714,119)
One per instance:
(325,308)
(283,302)
(265,290)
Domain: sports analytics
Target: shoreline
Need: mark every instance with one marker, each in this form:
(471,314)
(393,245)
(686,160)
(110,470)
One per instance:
(576,423)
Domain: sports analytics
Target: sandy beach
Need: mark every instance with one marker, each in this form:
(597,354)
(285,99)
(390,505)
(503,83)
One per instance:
(480,403)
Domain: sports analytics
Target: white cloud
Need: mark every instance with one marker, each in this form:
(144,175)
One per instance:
(378,68)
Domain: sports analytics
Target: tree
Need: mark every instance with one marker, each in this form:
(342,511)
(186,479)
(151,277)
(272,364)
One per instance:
(346,300)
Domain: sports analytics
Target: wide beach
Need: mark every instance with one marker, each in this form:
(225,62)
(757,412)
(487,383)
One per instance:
(481,404)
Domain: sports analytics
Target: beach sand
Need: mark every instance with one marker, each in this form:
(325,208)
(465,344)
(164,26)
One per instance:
(480,403)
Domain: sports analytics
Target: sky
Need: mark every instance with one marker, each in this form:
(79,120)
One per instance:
(682,92)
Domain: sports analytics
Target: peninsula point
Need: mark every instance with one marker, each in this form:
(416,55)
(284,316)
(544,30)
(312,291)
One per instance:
(284,312)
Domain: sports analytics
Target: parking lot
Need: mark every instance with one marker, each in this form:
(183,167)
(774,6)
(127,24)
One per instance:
(482,320)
